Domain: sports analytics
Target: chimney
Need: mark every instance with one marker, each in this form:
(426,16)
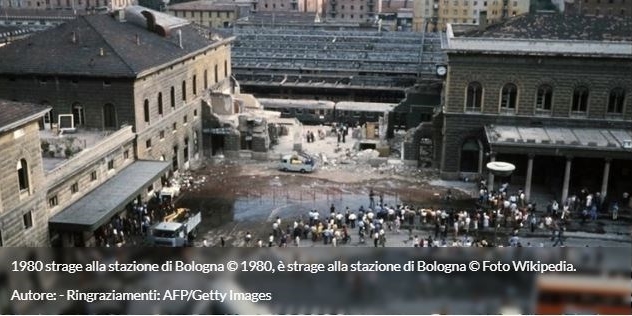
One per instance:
(73,37)
(180,38)
(101,51)
(137,39)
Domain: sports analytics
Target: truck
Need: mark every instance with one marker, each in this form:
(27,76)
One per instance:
(176,229)
(299,162)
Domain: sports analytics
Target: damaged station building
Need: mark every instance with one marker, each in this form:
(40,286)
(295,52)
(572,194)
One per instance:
(300,57)
(97,113)
(237,126)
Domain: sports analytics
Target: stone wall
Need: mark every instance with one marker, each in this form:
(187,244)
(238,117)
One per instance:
(17,144)
(563,74)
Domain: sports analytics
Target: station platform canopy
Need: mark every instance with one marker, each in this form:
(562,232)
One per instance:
(558,141)
(98,206)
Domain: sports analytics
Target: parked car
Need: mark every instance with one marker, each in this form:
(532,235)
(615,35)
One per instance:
(298,163)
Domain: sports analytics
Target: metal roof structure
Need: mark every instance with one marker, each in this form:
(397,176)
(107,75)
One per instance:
(351,58)
(561,140)
(98,206)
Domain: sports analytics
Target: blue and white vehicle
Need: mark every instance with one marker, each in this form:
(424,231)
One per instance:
(298,163)
(177,230)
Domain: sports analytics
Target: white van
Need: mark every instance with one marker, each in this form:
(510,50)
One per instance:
(297,162)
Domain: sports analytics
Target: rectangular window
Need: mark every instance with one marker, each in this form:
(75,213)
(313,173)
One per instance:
(1,243)
(194,85)
(150,188)
(74,188)
(148,144)
(162,134)
(93,176)
(175,127)
(126,154)
(110,164)
(52,202)
(185,119)
(194,113)
(28,219)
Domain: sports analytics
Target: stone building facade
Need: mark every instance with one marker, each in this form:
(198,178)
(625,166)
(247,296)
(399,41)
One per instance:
(160,97)
(22,209)
(79,5)
(611,8)
(211,14)
(576,89)
(435,15)
(137,78)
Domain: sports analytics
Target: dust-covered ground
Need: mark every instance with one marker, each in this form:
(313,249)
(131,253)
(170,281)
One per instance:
(240,196)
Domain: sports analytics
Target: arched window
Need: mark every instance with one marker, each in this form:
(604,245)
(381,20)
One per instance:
(544,98)
(580,99)
(173,97)
(474,96)
(78,114)
(184,90)
(23,176)
(109,116)
(508,96)
(470,156)
(616,100)
(159,103)
(146,110)
(205,79)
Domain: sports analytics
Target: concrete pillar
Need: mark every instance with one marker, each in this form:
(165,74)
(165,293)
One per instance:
(604,181)
(490,180)
(567,179)
(481,156)
(527,185)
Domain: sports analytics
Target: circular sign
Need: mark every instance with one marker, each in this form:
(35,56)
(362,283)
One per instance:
(500,168)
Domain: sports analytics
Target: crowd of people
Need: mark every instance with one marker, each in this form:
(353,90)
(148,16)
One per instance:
(499,218)
(133,224)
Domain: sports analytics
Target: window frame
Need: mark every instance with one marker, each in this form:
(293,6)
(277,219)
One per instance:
(509,97)
(471,98)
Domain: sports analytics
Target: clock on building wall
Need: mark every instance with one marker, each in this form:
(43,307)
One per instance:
(442,70)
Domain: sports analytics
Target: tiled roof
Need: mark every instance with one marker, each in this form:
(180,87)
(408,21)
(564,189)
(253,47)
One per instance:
(54,52)
(12,112)
(562,27)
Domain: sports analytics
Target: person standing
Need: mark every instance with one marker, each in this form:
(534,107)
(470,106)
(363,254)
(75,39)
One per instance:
(615,211)
(560,237)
